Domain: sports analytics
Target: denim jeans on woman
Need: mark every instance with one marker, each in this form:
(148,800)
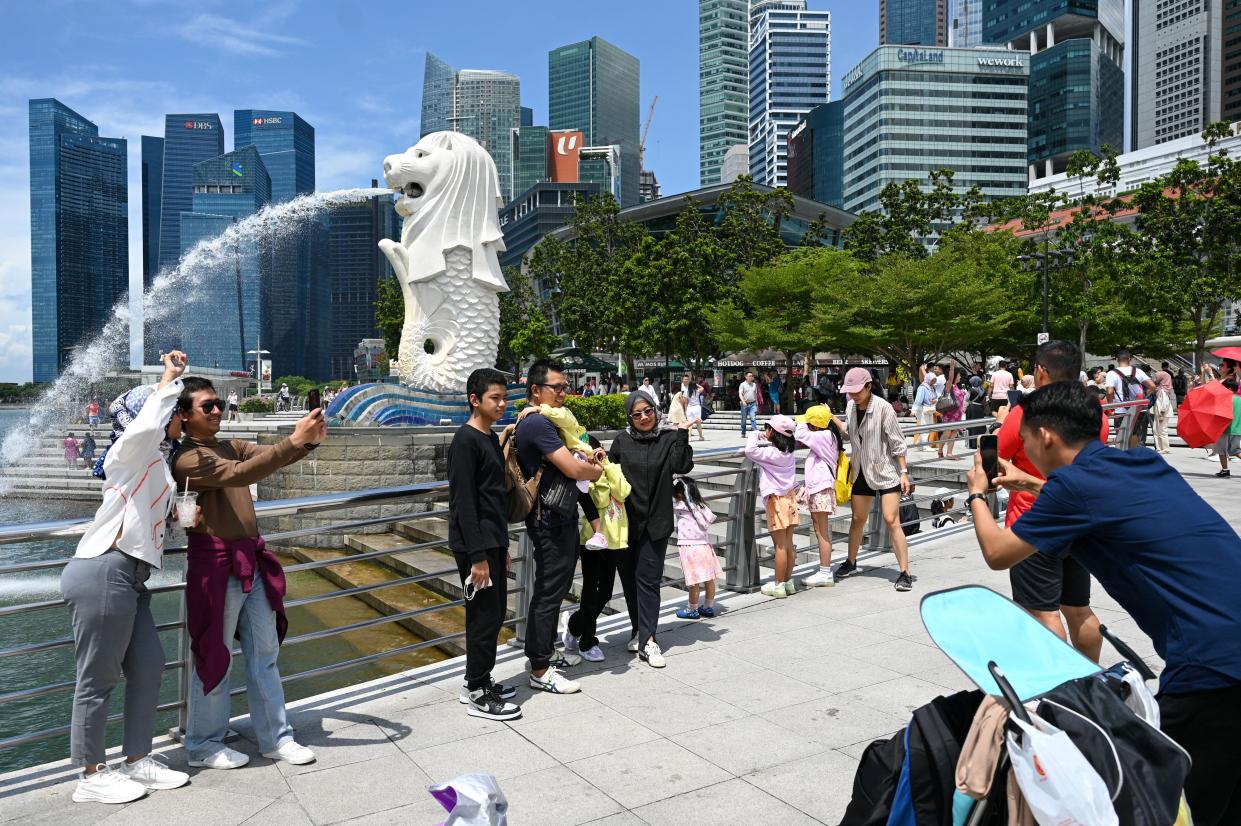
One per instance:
(252,615)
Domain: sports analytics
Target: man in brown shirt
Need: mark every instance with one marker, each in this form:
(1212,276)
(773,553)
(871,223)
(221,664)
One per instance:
(234,585)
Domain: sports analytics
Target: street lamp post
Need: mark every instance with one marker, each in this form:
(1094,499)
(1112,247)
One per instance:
(1048,258)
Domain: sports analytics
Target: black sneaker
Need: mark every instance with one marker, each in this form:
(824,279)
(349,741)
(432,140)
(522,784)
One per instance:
(904,582)
(486,704)
(1224,474)
(504,692)
(845,569)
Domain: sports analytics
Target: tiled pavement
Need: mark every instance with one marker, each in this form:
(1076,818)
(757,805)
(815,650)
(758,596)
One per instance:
(759,718)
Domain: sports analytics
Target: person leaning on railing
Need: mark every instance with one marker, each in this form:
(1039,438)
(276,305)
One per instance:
(233,584)
(110,606)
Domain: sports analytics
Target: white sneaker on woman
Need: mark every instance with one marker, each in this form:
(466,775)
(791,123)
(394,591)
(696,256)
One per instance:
(291,752)
(225,758)
(651,655)
(107,786)
(152,772)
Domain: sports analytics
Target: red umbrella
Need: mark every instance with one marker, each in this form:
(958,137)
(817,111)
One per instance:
(1233,353)
(1205,414)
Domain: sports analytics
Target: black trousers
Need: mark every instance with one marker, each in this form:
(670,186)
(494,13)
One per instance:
(1207,724)
(648,572)
(484,616)
(555,558)
(599,569)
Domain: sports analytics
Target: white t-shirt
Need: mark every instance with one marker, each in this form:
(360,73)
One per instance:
(940,381)
(748,392)
(649,390)
(1136,381)
(1001,383)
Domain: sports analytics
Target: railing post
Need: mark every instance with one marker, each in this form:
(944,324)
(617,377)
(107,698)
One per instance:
(525,582)
(742,556)
(184,678)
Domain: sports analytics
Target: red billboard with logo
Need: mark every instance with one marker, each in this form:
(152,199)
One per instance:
(564,149)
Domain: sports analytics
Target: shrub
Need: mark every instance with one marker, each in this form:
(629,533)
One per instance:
(599,412)
(256,404)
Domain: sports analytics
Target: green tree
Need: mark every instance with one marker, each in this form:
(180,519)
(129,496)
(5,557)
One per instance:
(910,216)
(749,230)
(390,315)
(798,303)
(525,329)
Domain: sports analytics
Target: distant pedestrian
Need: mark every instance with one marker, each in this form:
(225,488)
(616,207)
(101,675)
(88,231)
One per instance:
(1127,382)
(924,407)
(478,538)
(772,451)
(71,451)
(699,564)
(232,406)
(286,398)
(976,407)
(747,394)
(649,389)
(92,412)
(1180,385)
(775,387)
(1164,405)
(951,414)
(1229,443)
(88,450)
(1002,381)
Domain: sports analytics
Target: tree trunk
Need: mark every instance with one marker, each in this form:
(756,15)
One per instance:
(1082,329)
(631,373)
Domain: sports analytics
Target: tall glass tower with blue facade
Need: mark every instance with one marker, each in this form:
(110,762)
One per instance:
(913,22)
(593,87)
(79,231)
(152,194)
(287,144)
(188,140)
(965,23)
(438,82)
(357,266)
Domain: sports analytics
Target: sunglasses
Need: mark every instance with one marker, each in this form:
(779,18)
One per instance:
(642,414)
(213,404)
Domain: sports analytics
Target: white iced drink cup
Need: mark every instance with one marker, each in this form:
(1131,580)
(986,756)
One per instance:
(187,505)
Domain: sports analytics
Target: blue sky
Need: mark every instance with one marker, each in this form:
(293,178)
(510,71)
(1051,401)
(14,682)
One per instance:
(350,67)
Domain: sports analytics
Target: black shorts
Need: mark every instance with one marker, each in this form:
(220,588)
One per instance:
(1043,583)
(860,488)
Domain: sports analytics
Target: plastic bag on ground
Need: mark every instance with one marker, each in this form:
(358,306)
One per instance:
(472,800)
(1058,783)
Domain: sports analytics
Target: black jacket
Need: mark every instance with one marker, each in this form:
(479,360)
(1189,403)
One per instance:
(649,466)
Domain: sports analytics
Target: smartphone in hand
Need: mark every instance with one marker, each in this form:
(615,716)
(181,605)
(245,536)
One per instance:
(989,449)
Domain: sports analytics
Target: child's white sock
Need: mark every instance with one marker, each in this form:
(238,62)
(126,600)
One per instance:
(825,569)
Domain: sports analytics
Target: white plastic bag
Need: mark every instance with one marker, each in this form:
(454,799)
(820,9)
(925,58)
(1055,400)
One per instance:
(1140,699)
(472,800)
(1058,783)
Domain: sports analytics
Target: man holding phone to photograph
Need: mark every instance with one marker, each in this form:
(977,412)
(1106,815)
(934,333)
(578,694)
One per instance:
(1050,586)
(234,586)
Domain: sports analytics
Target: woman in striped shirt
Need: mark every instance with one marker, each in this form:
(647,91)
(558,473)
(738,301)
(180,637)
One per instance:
(877,469)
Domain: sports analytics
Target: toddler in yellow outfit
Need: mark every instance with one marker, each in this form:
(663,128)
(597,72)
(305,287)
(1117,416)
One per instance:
(608,492)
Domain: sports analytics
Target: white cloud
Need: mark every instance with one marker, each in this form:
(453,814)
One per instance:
(253,37)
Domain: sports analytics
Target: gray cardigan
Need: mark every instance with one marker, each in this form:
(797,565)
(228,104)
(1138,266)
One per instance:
(882,441)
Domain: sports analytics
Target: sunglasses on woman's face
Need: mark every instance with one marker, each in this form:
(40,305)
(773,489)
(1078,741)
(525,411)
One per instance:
(642,414)
(210,405)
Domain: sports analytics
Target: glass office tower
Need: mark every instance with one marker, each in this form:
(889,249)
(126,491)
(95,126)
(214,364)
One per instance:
(913,22)
(438,80)
(152,194)
(723,83)
(79,232)
(593,87)
(816,155)
(529,158)
(356,267)
(188,140)
(287,145)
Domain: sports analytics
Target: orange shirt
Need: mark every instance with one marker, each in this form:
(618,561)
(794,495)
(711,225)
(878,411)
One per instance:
(1011,449)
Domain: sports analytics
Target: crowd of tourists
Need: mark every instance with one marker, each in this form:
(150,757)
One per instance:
(1075,510)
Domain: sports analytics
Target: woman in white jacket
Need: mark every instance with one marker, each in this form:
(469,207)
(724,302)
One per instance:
(105,585)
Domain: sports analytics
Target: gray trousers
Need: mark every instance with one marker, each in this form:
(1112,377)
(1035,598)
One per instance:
(113,634)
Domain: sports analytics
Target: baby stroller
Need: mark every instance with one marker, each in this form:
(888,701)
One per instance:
(1111,760)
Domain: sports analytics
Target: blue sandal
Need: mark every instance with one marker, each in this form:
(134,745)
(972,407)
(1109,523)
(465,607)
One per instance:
(706,611)
(687,613)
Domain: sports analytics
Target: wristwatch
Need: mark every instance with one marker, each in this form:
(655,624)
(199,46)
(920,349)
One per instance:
(969,500)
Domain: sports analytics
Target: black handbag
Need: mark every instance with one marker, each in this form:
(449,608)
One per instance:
(559,495)
(947,403)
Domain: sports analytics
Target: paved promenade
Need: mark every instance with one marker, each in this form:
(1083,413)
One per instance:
(759,718)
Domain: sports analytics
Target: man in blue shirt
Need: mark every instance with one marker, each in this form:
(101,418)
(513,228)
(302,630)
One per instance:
(1161,552)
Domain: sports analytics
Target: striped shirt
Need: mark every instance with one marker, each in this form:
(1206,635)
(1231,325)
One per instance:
(877,446)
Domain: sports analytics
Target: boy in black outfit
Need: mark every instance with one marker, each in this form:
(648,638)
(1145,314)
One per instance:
(478,537)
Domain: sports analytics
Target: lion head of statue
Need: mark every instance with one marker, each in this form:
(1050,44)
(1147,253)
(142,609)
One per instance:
(448,193)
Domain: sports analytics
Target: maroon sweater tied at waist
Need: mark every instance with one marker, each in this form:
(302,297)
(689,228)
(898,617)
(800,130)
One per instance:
(212,561)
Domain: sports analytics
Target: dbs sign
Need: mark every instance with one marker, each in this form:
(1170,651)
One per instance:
(564,151)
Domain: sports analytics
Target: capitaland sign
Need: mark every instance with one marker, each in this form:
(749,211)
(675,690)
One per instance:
(199,124)
(1009,62)
(919,56)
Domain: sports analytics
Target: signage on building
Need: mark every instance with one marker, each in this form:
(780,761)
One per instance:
(853,75)
(239,170)
(919,56)
(797,130)
(268,121)
(564,152)
(199,124)
(1013,62)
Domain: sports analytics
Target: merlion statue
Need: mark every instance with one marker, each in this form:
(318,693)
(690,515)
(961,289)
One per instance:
(447,264)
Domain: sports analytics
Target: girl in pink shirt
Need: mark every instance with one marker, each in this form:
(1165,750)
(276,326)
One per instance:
(824,436)
(772,451)
(698,560)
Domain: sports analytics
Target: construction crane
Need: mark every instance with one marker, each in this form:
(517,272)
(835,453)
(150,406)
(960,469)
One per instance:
(646,128)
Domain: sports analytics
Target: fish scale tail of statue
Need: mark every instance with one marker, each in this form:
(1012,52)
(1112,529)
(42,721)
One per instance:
(447,261)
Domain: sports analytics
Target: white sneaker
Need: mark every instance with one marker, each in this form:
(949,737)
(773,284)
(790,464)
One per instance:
(768,589)
(632,645)
(819,580)
(598,542)
(593,654)
(225,758)
(570,642)
(291,752)
(651,655)
(107,786)
(566,659)
(152,772)
(553,682)
(790,587)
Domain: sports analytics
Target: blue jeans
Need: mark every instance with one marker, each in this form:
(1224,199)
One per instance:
(749,411)
(208,716)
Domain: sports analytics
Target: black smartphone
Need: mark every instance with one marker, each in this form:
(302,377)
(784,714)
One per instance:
(312,398)
(989,449)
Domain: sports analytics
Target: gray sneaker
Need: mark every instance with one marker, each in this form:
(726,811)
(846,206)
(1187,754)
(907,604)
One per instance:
(904,582)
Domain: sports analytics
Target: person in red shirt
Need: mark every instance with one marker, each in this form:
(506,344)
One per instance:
(1045,586)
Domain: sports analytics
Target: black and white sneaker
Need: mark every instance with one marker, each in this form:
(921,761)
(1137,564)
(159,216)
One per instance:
(487,704)
(565,659)
(504,692)
(904,582)
(845,569)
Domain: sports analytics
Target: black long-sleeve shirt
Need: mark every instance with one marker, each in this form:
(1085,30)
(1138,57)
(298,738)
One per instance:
(477,521)
(649,466)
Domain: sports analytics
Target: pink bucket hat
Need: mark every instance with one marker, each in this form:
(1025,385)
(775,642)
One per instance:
(782,424)
(856,379)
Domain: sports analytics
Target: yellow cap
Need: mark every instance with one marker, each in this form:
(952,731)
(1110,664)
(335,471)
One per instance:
(820,416)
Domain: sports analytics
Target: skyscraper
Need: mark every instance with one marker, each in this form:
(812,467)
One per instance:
(790,74)
(79,231)
(152,193)
(356,266)
(1077,94)
(816,155)
(1176,55)
(188,140)
(965,23)
(723,83)
(593,87)
(913,22)
(222,317)
(529,158)
(481,103)
(287,145)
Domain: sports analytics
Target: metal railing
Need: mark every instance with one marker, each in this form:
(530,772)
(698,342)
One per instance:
(728,481)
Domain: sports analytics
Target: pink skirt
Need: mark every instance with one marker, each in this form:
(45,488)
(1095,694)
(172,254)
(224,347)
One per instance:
(699,563)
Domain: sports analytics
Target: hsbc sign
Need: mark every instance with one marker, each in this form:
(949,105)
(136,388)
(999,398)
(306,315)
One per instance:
(199,124)
(268,121)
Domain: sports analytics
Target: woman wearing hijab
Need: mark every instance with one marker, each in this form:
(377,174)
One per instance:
(650,450)
(105,586)
(976,408)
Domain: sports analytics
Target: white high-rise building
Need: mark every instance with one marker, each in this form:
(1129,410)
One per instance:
(1178,70)
(790,74)
(964,23)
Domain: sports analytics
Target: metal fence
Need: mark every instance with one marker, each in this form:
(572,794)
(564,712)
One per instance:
(729,484)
